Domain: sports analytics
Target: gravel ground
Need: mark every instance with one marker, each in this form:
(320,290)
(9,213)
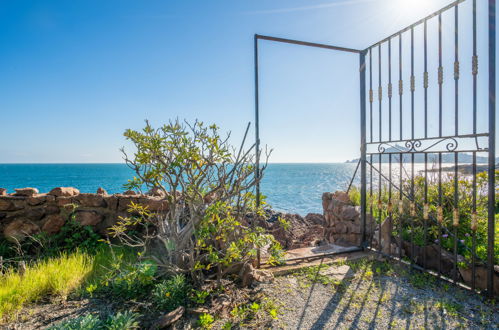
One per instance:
(377,294)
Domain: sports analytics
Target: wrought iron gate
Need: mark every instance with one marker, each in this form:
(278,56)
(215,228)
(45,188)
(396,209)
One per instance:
(406,213)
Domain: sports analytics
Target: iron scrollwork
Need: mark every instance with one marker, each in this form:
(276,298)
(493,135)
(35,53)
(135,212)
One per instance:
(416,145)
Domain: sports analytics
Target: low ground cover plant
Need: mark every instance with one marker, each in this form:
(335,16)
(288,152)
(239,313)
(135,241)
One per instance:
(119,321)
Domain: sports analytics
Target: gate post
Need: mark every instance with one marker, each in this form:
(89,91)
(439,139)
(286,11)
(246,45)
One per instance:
(362,72)
(492,146)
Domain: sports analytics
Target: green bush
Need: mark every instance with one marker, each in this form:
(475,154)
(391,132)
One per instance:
(130,281)
(206,226)
(171,293)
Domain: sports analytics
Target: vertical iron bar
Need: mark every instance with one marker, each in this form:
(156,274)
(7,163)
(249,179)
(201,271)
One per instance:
(456,124)
(371,233)
(456,69)
(425,85)
(370,96)
(425,209)
(379,205)
(390,90)
(473,229)
(257,137)
(475,68)
(440,74)
(257,125)
(440,82)
(492,146)
(400,222)
(440,213)
(380,94)
(401,91)
(474,72)
(413,199)
(390,201)
(400,86)
(456,210)
(412,83)
(371,99)
(425,80)
(362,65)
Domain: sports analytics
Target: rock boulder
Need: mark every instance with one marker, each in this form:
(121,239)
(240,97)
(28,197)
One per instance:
(64,191)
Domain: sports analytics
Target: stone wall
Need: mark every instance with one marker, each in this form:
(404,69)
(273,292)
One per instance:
(342,220)
(27,212)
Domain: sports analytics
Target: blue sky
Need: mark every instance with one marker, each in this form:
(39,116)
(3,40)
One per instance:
(76,74)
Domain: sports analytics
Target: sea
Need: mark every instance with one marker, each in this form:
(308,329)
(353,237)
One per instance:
(289,187)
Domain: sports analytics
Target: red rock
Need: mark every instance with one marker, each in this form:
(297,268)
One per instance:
(156,192)
(38,199)
(26,191)
(111,202)
(101,191)
(124,202)
(64,191)
(3,192)
(51,209)
(248,275)
(6,205)
(63,201)
(130,193)
(315,218)
(341,196)
(154,204)
(53,223)
(34,214)
(88,218)
(480,277)
(19,229)
(90,200)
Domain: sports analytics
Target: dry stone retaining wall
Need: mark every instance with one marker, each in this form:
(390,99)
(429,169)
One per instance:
(27,212)
(342,220)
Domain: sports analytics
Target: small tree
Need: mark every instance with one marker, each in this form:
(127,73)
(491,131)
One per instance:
(207,183)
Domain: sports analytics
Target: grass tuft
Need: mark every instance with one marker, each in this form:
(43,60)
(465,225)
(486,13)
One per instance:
(55,277)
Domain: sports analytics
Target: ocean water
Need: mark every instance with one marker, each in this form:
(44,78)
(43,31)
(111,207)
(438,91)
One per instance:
(293,188)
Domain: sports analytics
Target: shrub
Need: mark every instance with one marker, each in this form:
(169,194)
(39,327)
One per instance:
(171,293)
(130,281)
(206,226)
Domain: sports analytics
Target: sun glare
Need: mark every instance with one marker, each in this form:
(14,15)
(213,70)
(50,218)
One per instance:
(408,8)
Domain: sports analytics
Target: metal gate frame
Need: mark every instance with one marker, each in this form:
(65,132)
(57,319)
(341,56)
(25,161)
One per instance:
(414,145)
